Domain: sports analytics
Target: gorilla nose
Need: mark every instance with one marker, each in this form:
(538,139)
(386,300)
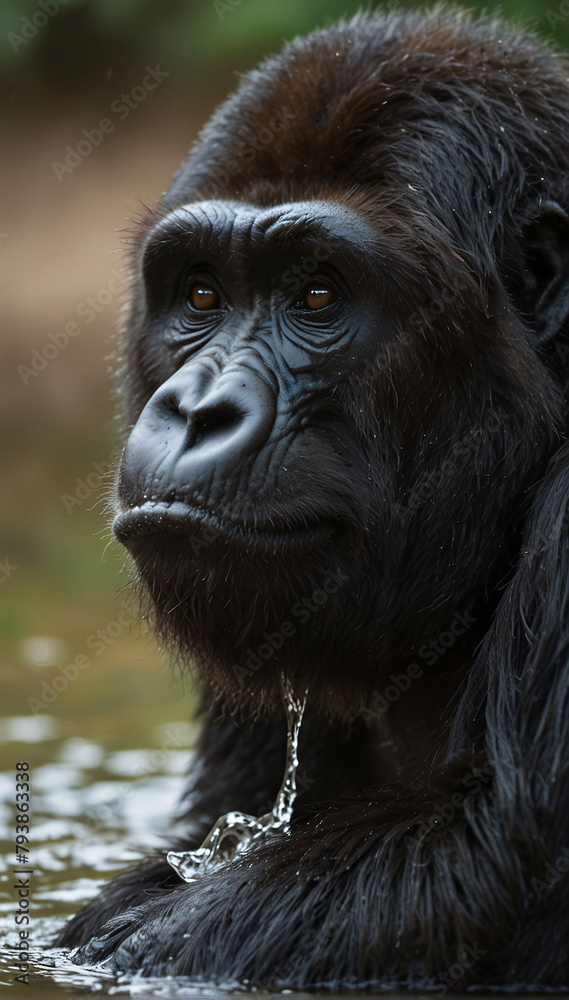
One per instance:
(194,429)
(233,420)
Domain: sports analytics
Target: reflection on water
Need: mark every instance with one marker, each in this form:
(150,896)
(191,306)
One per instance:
(94,811)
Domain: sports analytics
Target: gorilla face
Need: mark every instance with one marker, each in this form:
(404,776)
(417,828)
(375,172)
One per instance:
(295,492)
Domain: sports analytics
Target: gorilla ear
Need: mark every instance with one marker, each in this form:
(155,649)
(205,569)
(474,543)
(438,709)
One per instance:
(545,277)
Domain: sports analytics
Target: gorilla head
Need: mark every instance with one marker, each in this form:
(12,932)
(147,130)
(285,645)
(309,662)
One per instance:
(337,358)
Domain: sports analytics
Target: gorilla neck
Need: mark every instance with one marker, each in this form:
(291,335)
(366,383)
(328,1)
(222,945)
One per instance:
(411,718)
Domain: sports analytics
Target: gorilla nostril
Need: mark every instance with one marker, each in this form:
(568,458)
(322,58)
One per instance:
(170,404)
(211,421)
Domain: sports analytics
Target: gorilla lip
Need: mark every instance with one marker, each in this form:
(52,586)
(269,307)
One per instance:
(178,517)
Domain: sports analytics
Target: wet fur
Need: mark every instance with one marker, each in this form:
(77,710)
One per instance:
(454,132)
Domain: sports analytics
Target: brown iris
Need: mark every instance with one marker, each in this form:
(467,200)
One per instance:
(204,297)
(319,296)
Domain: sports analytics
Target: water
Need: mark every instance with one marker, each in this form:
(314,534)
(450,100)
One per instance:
(236,832)
(90,819)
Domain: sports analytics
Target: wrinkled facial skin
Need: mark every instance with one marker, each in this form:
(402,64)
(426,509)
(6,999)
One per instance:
(264,491)
(248,381)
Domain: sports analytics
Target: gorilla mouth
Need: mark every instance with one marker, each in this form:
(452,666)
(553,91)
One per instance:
(195,523)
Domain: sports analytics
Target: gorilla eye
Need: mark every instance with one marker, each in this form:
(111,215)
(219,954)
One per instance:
(204,297)
(318,297)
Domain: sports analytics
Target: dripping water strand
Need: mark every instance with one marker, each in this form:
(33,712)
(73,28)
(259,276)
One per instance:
(236,832)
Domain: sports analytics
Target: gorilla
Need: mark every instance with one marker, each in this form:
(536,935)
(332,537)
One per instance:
(343,372)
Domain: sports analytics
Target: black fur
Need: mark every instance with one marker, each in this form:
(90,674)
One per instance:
(432,833)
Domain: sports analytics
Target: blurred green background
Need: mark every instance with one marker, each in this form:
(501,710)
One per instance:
(63,65)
